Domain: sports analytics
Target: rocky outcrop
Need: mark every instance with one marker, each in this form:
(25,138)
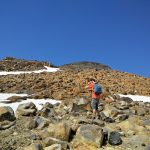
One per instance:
(13,64)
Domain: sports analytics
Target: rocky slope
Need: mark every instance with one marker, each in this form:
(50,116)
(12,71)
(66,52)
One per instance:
(70,84)
(123,124)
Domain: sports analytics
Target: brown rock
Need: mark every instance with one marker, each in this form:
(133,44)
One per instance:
(59,131)
(88,137)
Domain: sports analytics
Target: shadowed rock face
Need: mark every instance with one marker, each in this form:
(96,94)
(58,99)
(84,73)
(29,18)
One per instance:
(84,65)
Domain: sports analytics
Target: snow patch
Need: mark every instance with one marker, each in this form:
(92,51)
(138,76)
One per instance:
(38,102)
(137,97)
(48,69)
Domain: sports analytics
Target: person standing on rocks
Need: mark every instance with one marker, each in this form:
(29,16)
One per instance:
(96,95)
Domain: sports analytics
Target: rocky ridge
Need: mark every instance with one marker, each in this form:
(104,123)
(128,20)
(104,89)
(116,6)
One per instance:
(13,64)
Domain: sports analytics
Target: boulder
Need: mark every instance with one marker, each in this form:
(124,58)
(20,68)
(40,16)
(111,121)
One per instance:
(98,122)
(88,137)
(121,117)
(27,109)
(139,142)
(114,138)
(6,113)
(126,99)
(47,110)
(41,122)
(132,124)
(59,131)
(84,120)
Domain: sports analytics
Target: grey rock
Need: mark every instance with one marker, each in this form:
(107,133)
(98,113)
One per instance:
(27,109)
(147,147)
(115,138)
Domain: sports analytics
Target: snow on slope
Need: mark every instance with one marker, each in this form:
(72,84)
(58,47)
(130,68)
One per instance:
(37,102)
(47,69)
(137,97)
(40,102)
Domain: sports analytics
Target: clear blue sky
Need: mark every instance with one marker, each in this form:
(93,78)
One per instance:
(112,32)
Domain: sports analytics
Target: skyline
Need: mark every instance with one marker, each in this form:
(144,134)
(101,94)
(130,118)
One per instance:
(114,33)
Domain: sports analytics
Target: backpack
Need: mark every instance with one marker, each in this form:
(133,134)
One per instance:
(97,89)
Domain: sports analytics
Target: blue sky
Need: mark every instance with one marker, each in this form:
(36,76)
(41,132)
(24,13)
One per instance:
(112,32)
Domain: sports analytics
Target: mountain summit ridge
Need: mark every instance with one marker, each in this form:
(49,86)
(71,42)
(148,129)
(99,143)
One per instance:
(15,64)
(82,65)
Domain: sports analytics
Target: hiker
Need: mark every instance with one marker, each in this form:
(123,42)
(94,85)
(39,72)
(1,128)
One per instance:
(95,96)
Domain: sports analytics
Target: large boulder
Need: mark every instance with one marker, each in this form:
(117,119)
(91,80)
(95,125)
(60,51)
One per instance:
(27,109)
(127,125)
(6,113)
(89,137)
(59,131)
(7,117)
